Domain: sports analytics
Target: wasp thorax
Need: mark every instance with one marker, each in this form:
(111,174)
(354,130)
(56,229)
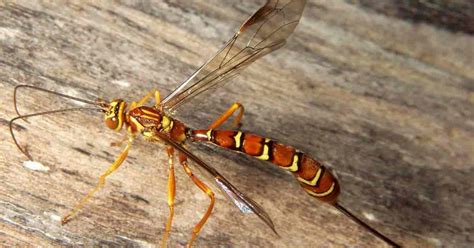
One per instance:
(115,115)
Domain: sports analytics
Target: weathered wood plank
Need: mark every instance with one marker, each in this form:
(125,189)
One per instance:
(388,103)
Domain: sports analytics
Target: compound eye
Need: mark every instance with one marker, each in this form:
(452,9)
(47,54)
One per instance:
(112,122)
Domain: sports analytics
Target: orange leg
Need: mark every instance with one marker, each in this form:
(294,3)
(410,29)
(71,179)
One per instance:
(205,189)
(171,194)
(227,114)
(142,101)
(114,166)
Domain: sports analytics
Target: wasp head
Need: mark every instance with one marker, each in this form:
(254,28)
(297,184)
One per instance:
(115,114)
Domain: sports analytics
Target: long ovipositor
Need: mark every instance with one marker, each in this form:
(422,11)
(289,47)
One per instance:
(314,177)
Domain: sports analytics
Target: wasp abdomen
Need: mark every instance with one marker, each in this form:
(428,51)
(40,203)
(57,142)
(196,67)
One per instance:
(314,177)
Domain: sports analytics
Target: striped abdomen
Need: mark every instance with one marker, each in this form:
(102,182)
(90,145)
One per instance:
(313,176)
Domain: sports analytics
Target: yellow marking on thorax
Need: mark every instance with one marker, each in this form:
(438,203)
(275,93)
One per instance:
(148,134)
(166,124)
(264,155)
(209,135)
(294,164)
(137,124)
(328,192)
(314,180)
(237,138)
(151,113)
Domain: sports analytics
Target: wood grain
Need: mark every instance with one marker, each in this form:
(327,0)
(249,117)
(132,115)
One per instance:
(386,101)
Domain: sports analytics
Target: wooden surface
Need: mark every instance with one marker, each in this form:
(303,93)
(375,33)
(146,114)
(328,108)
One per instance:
(384,99)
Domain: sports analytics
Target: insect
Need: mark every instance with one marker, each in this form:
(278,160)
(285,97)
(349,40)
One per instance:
(262,33)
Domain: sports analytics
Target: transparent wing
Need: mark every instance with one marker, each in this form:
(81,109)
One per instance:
(265,31)
(243,202)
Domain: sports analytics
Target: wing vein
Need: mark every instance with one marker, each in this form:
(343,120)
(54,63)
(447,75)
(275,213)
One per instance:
(265,31)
